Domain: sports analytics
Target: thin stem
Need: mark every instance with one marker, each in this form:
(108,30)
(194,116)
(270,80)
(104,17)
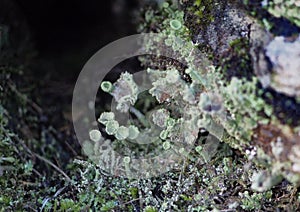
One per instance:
(54,166)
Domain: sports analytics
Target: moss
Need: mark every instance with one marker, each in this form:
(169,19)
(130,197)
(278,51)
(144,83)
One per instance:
(253,202)
(202,10)
(237,61)
(212,177)
(19,179)
(194,187)
(150,209)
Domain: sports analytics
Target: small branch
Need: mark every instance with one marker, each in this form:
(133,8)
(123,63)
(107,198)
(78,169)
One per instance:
(54,166)
(23,97)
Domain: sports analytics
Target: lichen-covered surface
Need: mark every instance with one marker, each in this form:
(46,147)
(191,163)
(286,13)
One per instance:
(246,45)
(252,57)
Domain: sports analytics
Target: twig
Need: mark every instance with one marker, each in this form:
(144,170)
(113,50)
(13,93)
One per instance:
(71,148)
(131,201)
(54,166)
(23,97)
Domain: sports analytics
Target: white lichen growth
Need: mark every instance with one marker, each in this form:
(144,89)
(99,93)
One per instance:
(105,117)
(263,180)
(285,59)
(295,158)
(160,117)
(166,145)
(125,92)
(175,24)
(164,134)
(106,86)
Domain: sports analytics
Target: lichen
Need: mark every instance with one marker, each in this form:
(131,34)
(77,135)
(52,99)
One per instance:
(236,171)
(125,91)
(284,57)
(247,106)
(289,9)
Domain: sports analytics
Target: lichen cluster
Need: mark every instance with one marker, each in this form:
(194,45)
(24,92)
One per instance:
(245,109)
(173,123)
(210,114)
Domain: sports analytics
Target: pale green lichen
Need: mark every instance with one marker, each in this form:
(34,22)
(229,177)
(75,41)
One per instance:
(289,9)
(111,127)
(240,98)
(163,126)
(244,103)
(171,122)
(163,134)
(133,132)
(199,149)
(95,135)
(245,111)
(192,188)
(106,86)
(166,145)
(105,117)
(175,24)
(122,133)
(126,159)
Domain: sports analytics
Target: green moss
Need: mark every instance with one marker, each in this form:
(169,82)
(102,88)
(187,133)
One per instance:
(253,202)
(236,62)
(150,209)
(68,205)
(203,10)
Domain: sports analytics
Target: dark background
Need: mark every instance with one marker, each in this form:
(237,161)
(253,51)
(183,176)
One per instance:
(65,34)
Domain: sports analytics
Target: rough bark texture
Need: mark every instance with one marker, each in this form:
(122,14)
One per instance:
(262,46)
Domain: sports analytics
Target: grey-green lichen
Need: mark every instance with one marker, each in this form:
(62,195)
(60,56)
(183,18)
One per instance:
(125,91)
(242,99)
